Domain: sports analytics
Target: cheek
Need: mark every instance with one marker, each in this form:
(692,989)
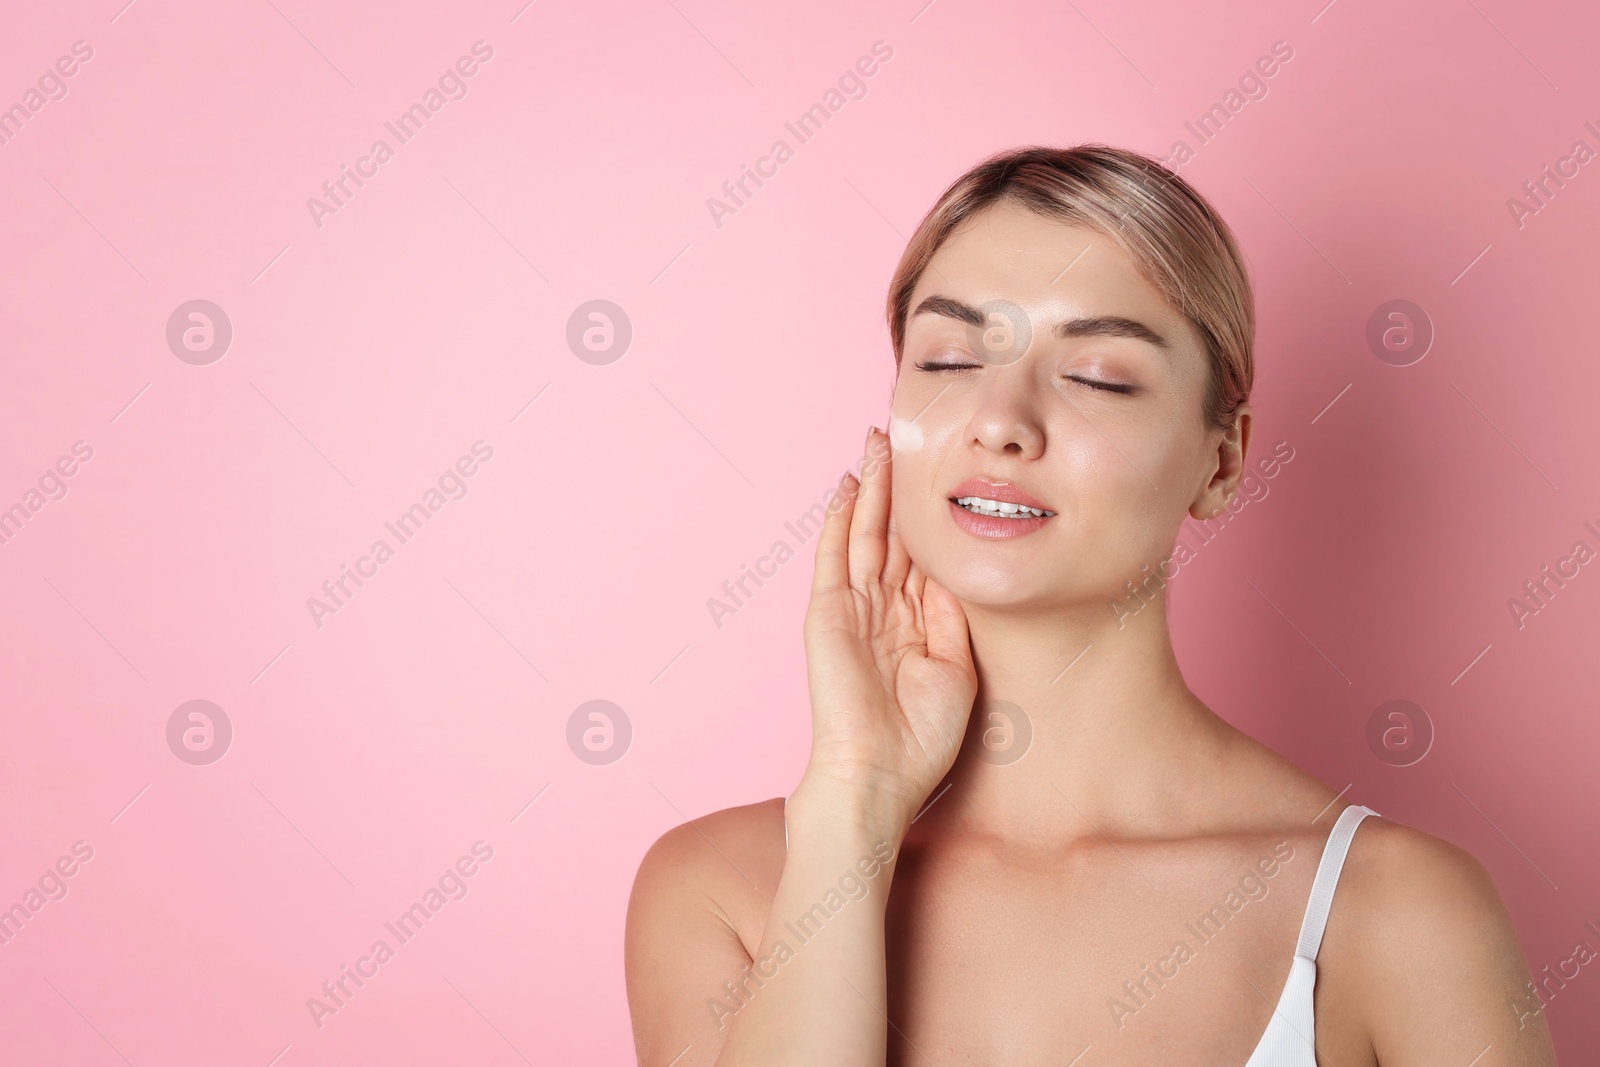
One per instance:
(912,499)
(1114,487)
(1132,504)
(904,493)
(1128,459)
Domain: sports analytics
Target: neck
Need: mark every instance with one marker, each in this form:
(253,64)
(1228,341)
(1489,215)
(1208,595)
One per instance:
(1118,742)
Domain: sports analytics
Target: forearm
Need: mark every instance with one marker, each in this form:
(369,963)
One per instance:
(815,990)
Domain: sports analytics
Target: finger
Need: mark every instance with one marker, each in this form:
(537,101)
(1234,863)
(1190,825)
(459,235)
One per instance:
(899,563)
(915,581)
(869,525)
(946,626)
(912,590)
(833,564)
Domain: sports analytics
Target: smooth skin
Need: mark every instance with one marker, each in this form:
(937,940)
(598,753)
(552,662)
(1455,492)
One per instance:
(1021,896)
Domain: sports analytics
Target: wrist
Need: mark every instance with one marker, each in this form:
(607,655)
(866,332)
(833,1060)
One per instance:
(845,812)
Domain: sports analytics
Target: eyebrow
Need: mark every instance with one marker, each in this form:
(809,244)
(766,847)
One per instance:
(1089,326)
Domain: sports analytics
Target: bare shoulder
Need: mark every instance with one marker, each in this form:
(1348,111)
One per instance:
(712,845)
(1416,894)
(727,863)
(1423,898)
(1414,871)
(1419,962)
(1420,946)
(695,916)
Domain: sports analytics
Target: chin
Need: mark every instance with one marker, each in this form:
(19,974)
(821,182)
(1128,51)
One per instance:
(986,582)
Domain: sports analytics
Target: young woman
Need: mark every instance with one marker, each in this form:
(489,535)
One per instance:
(1020,838)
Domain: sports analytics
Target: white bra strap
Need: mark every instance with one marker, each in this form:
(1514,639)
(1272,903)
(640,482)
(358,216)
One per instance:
(1333,854)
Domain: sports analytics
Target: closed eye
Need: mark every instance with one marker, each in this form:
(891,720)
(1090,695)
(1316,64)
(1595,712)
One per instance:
(1109,387)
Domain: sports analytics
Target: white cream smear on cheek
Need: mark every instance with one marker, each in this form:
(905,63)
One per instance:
(904,435)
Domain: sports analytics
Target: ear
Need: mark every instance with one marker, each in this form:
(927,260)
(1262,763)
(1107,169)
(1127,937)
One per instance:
(1227,468)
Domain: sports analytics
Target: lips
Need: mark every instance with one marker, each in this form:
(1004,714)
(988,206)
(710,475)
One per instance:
(1004,492)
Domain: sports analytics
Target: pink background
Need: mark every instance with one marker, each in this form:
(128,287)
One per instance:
(369,353)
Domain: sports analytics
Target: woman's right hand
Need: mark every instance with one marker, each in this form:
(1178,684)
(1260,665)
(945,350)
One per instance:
(888,661)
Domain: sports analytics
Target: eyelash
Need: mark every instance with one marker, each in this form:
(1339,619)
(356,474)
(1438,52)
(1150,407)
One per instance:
(1107,387)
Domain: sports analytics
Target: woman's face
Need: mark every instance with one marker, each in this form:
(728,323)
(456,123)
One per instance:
(1118,468)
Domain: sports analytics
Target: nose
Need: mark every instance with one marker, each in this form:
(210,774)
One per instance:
(1006,421)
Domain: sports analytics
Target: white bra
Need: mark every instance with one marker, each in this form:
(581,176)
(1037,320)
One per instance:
(1290,1037)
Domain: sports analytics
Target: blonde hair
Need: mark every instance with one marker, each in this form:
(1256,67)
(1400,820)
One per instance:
(1176,240)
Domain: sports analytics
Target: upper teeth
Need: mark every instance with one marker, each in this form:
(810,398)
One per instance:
(1000,507)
